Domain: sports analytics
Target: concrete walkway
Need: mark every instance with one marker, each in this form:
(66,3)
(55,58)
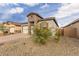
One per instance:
(11,37)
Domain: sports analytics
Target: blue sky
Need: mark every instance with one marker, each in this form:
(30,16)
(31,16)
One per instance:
(17,12)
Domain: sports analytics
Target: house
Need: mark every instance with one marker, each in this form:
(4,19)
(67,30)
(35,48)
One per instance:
(34,18)
(24,27)
(72,29)
(12,27)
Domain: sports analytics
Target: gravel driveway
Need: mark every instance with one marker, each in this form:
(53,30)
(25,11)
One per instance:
(11,37)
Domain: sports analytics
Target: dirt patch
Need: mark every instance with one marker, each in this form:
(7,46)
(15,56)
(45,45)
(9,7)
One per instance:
(1,44)
(26,47)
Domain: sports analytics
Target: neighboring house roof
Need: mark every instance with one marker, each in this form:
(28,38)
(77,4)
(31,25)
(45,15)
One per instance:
(73,22)
(24,24)
(10,22)
(32,13)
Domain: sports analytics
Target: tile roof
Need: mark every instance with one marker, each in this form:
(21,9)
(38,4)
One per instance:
(32,13)
(10,22)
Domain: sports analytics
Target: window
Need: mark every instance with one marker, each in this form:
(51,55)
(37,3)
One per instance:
(43,25)
(31,16)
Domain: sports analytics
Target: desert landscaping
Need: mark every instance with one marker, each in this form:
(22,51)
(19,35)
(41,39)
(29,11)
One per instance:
(39,37)
(24,46)
(29,32)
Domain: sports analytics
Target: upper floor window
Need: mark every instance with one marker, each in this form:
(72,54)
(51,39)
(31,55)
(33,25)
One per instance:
(31,16)
(43,25)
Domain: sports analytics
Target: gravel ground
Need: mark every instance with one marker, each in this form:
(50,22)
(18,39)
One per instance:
(12,37)
(26,47)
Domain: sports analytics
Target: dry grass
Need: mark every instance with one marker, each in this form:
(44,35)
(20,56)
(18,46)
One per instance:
(25,46)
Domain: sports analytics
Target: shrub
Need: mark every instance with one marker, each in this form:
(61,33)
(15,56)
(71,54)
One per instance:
(57,35)
(41,35)
(2,28)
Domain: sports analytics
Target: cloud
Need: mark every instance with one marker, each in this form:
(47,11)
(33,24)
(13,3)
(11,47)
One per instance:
(44,6)
(7,10)
(16,10)
(31,4)
(7,14)
(67,10)
(7,4)
(2,4)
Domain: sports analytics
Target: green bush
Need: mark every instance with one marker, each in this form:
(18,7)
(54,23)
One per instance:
(2,28)
(41,35)
(57,35)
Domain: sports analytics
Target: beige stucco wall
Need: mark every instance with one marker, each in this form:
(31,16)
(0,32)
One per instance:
(24,29)
(51,25)
(70,32)
(11,25)
(17,27)
(76,28)
(76,25)
(34,18)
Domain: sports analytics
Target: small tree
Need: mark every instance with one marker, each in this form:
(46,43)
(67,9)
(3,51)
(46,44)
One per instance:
(3,29)
(41,35)
(57,35)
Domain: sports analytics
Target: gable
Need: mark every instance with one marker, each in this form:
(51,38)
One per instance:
(33,18)
(51,24)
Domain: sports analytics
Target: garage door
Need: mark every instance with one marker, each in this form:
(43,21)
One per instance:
(25,29)
(12,30)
